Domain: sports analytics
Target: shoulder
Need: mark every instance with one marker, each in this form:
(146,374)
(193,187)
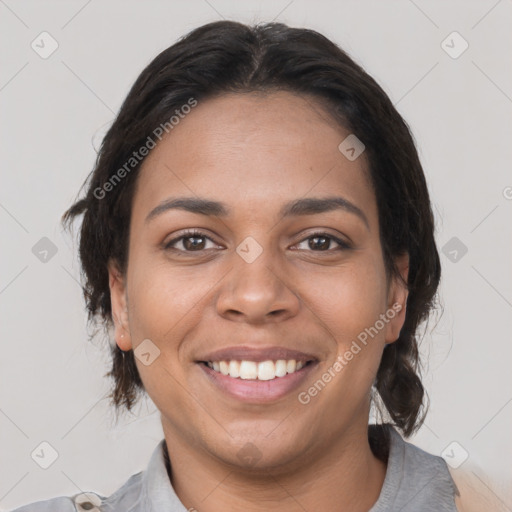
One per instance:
(415,479)
(430,473)
(81,502)
(418,463)
(139,493)
(123,499)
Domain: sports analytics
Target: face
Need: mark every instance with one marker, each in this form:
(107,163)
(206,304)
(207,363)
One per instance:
(265,271)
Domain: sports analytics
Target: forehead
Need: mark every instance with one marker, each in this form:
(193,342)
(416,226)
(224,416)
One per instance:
(253,151)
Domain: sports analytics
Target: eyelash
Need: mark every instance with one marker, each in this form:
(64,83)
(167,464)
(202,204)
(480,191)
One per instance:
(194,233)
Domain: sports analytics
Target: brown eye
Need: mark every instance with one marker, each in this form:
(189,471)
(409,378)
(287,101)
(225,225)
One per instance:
(192,241)
(321,242)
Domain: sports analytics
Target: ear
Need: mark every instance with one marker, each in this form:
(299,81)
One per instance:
(119,306)
(397,300)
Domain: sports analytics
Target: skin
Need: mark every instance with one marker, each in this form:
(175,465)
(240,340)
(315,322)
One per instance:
(254,153)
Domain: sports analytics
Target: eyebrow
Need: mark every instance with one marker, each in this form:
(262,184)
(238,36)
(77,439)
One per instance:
(305,206)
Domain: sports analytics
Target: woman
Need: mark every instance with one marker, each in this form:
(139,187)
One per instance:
(258,233)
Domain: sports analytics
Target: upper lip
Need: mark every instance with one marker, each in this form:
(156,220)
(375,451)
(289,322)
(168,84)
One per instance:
(258,354)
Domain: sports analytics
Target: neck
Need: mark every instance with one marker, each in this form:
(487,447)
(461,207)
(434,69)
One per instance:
(346,476)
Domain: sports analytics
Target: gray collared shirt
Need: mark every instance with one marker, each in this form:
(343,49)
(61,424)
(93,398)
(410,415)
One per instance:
(416,481)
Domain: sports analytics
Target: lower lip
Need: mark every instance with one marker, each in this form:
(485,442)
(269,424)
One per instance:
(258,391)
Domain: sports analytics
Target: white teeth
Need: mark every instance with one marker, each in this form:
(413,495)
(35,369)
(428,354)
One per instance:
(280,368)
(224,368)
(234,369)
(265,370)
(248,370)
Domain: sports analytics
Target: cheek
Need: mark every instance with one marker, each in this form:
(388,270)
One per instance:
(164,305)
(349,303)
(351,298)
(163,300)
(348,376)
(356,308)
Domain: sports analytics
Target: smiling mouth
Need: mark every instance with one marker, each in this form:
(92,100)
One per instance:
(257,371)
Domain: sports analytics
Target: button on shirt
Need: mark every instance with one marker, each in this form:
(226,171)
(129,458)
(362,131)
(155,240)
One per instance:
(415,481)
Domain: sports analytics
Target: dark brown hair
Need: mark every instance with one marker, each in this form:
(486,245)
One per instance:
(227,56)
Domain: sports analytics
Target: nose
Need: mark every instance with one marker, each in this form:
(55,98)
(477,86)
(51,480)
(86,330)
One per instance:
(257,292)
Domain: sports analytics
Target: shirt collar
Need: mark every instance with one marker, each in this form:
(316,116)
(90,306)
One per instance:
(394,472)
(157,493)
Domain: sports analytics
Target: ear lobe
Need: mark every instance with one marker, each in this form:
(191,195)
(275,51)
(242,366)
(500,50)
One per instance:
(397,299)
(119,307)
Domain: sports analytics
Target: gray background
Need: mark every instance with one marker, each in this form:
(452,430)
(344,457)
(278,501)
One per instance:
(53,112)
